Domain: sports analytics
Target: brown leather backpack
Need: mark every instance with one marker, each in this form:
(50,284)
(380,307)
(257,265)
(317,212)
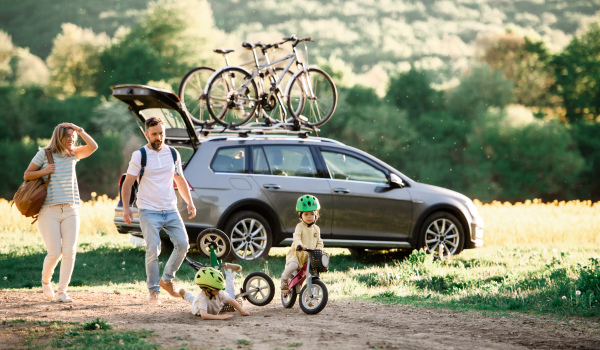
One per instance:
(31,194)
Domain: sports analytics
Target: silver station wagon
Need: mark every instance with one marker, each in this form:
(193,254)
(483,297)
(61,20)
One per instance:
(246,183)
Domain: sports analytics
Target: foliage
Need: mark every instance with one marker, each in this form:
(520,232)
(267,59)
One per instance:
(479,90)
(412,92)
(74,60)
(534,160)
(523,61)
(163,45)
(578,75)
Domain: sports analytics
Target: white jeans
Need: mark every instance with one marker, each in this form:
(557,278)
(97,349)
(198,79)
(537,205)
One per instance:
(59,227)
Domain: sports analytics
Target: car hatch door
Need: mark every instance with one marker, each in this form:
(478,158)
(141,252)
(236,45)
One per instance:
(146,101)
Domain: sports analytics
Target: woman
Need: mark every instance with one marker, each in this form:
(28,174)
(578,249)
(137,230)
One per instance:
(58,220)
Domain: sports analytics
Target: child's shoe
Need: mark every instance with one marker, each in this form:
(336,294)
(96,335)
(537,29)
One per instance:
(182,293)
(284,286)
(232,267)
(48,291)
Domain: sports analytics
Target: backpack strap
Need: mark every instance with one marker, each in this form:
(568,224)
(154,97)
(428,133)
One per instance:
(145,159)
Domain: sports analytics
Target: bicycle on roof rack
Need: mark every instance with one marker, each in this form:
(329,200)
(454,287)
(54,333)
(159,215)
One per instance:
(233,95)
(258,287)
(193,85)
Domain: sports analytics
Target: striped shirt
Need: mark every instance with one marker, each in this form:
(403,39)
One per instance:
(63,186)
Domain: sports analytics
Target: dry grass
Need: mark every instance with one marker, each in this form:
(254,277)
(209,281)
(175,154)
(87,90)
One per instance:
(573,223)
(96,217)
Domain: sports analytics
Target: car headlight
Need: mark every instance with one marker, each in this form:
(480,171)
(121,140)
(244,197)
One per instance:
(472,208)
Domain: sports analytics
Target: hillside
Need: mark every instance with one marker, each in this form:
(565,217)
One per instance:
(388,34)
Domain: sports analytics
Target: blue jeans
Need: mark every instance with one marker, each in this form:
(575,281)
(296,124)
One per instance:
(151,222)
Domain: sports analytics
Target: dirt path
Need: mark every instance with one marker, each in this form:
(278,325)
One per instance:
(342,325)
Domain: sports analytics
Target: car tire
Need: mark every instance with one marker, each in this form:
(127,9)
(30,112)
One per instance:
(442,235)
(250,234)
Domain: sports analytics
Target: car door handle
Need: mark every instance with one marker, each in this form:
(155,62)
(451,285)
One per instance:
(341,190)
(272,187)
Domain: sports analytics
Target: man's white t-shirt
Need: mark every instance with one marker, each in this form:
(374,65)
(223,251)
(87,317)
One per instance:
(156,190)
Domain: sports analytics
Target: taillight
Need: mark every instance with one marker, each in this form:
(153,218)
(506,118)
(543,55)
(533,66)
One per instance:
(189,186)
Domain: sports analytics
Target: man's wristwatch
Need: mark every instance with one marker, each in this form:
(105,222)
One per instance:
(80,130)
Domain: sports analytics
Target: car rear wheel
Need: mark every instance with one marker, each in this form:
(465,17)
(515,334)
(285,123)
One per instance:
(442,235)
(250,235)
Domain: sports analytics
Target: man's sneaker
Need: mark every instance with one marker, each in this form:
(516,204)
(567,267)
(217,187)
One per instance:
(169,288)
(284,286)
(153,298)
(232,267)
(63,298)
(48,291)
(182,293)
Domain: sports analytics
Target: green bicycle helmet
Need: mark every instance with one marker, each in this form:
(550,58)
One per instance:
(210,277)
(307,203)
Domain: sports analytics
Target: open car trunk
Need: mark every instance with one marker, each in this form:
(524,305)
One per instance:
(146,101)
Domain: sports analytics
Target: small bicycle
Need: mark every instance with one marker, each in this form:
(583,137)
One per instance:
(258,287)
(314,295)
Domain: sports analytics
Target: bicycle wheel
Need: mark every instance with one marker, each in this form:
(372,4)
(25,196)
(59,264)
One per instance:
(288,300)
(314,300)
(212,237)
(191,94)
(313,109)
(232,97)
(260,288)
(271,108)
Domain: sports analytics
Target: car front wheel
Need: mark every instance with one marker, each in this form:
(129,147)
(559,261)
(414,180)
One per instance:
(250,235)
(442,235)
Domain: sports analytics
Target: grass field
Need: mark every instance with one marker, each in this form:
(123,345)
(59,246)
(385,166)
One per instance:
(538,258)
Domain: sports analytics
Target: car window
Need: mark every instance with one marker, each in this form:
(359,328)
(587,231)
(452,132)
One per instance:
(229,160)
(290,161)
(259,161)
(345,167)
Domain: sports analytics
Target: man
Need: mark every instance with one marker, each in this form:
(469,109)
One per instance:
(157,206)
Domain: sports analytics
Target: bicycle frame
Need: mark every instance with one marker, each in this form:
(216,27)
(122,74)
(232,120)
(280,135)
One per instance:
(303,275)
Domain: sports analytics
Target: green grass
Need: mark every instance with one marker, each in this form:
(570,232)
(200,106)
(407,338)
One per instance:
(96,334)
(538,280)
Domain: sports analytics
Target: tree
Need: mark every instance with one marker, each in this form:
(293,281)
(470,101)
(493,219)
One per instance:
(172,37)
(523,61)
(577,71)
(481,89)
(412,92)
(74,60)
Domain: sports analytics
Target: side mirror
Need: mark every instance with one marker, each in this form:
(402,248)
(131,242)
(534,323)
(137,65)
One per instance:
(396,181)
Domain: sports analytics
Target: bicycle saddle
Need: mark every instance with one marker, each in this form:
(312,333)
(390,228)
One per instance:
(222,51)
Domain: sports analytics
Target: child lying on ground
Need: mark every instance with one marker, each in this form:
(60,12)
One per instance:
(212,297)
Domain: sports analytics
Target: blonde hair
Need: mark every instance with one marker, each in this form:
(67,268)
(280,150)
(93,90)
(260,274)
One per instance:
(56,145)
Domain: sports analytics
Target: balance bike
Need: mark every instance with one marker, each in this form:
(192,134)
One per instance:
(258,287)
(314,295)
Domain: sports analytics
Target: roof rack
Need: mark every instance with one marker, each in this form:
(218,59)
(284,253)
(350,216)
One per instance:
(256,128)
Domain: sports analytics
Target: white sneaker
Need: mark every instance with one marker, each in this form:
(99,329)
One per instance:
(63,298)
(48,291)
